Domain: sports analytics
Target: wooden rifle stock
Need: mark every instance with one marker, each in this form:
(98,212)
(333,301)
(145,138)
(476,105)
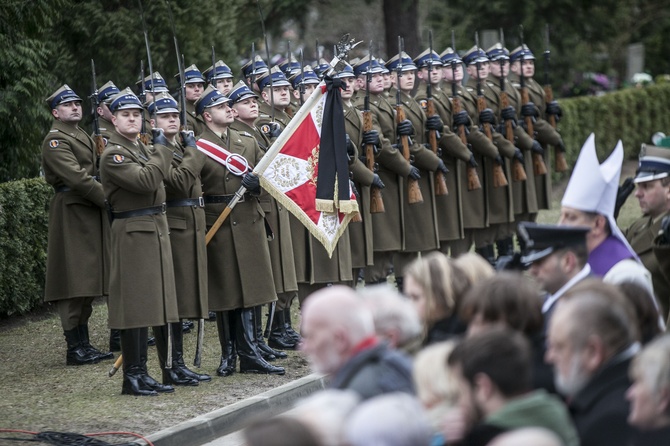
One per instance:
(560,165)
(412,185)
(473,178)
(376,202)
(539,168)
(440,182)
(518,172)
(499,179)
(99,144)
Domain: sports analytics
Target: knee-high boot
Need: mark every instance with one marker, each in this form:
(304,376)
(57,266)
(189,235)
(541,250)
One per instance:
(178,355)
(224,324)
(161,348)
(86,344)
(268,353)
(288,327)
(278,336)
(251,360)
(114,340)
(171,375)
(133,372)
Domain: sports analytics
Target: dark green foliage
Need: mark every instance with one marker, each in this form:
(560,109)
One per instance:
(630,115)
(23,244)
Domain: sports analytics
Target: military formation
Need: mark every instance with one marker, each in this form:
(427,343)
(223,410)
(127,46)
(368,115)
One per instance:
(437,164)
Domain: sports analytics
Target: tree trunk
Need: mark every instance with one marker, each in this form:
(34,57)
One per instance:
(401,18)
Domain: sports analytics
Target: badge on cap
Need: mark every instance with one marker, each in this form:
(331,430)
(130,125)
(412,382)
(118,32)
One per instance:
(54,143)
(118,159)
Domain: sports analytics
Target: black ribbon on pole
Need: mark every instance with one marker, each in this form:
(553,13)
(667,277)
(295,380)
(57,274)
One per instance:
(333,160)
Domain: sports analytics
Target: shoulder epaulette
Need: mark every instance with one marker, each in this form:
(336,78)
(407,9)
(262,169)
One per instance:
(53,131)
(245,133)
(469,89)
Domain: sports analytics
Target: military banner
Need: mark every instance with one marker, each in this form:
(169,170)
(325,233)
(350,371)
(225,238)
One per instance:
(293,172)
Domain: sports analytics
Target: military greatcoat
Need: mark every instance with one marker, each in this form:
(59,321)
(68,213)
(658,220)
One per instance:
(420,218)
(238,257)
(388,228)
(641,235)
(360,233)
(142,289)
(187,231)
(194,122)
(76,260)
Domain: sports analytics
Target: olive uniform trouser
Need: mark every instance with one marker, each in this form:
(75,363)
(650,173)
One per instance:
(74,312)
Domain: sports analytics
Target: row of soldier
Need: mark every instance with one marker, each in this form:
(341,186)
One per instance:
(150,257)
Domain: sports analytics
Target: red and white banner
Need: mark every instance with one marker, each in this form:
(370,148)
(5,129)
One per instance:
(292,172)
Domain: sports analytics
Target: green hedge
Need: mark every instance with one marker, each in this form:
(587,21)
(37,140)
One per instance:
(24,214)
(631,115)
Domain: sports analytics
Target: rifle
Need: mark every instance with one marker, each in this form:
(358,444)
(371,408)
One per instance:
(499,179)
(97,137)
(267,53)
(413,185)
(560,165)
(440,182)
(144,137)
(151,68)
(473,177)
(213,68)
(182,76)
(376,201)
(518,172)
(539,168)
(301,87)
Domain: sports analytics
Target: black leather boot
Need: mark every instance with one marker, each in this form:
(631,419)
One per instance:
(114,340)
(251,360)
(76,353)
(278,337)
(86,344)
(148,380)
(172,376)
(178,356)
(224,324)
(488,253)
(268,353)
(133,373)
(505,246)
(290,332)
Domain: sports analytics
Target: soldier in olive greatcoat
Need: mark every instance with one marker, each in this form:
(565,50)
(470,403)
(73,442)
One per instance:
(76,270)
(142,287)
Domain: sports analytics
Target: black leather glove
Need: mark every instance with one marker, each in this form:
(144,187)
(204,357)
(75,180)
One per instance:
(354,190)
(508,113)
(434,123)
(377,182)
(188,138)
(554,109)
(273,130)
(405,128)
(664,239)
(252,183)
(371,137)
(518,155)
(461,118)
(158,137)
(351,150)
(537,148)
(498,159)
(561,146)
(414,173)
(486,116)
(529,110)
(624,191)
(472,162)
(442,168)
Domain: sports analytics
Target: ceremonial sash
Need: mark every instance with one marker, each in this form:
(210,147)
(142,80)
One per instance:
(234,162)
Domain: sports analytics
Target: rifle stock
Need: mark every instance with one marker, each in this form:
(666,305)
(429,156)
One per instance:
(539,168)
(440,181)
(413,188)
(560,164)
(473,178)
(518,172)
(376,202)
(499,179)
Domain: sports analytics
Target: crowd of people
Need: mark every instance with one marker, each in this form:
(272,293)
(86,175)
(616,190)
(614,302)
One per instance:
(549,350)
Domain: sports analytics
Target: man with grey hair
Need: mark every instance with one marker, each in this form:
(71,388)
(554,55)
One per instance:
(396,321)
(339,338)
(591,341)
(395,419)
(326,413)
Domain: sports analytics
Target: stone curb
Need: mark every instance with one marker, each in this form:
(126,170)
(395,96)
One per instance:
(229,419)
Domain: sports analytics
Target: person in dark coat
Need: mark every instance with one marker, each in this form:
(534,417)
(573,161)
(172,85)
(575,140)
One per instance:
(339,338)
(592,339)
(649,393)
(76,268)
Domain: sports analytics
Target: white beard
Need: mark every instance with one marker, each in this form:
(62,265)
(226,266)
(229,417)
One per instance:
(575,380)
